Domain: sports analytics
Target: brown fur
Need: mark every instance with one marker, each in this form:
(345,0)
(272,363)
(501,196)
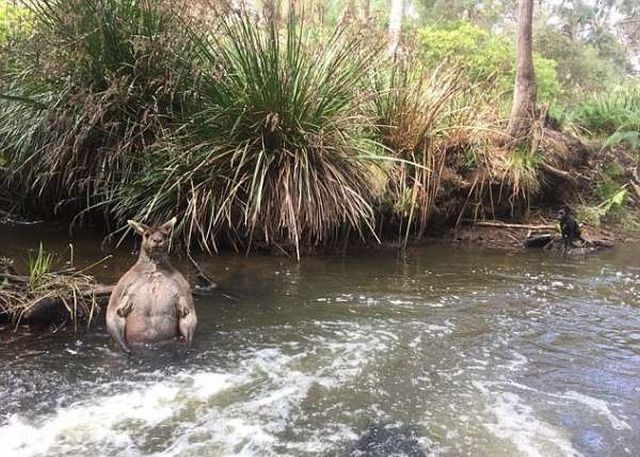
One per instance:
(151,302)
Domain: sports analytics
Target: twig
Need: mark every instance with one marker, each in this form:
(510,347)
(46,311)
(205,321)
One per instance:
(202,275)
(559,173)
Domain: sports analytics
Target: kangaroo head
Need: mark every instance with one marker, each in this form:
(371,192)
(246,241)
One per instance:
(155,240)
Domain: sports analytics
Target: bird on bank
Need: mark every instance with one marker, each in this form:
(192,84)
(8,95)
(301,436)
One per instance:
(569,228)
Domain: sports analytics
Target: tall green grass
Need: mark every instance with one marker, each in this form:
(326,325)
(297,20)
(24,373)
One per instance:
(270,155)
(609,113)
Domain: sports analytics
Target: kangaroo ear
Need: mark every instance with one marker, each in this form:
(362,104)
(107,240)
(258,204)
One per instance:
(168,226)
(139,227)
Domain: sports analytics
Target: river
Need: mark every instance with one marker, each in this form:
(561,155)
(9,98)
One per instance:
(458,351)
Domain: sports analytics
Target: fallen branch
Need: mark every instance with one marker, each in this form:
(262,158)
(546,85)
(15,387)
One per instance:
(10,277)
(504,225)
(55,305)
(541,241)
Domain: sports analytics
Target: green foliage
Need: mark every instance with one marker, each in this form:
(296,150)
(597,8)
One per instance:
(609,194)
(486,58)
(580,66)
(594,215)
(609,183)
(254,133)
(598,24)
(14,22)
(611,113)
(416,112)
(77,124)
(15,30)
(483,14)
(39,267)
(521,173)
(628,115)
(630,138)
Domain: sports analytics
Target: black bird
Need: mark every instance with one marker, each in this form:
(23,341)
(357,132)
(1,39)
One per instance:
(569,228)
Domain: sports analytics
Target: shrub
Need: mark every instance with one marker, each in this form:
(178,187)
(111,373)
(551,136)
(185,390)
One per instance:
(486,58)
(414,108)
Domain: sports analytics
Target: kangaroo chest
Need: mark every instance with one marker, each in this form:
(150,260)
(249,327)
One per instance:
(154,293)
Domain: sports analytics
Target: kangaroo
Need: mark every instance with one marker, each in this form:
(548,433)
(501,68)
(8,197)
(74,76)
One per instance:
(151,302)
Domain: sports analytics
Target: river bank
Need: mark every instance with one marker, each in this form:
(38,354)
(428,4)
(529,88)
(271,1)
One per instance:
(253,143)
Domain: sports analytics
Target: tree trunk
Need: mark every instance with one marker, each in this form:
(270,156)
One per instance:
(396,14)
(524,95)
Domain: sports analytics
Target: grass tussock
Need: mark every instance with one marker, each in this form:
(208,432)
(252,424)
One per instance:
(79,124)
(271,154)
(414,108)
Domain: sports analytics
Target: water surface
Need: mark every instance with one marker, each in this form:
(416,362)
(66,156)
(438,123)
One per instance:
(472,352)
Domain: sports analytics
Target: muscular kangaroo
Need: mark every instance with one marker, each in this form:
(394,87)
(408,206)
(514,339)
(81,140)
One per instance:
(152,301)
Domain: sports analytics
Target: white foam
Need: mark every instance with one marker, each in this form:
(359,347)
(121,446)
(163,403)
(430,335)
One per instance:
(601,407)
(106,419)
(515,422)
(263,396)
(94,420)
(518,361)
(207,385)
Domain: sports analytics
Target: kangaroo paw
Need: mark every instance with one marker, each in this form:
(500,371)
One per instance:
(124,310)
(182,308)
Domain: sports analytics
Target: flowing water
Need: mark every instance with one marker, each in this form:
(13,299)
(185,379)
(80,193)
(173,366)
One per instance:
(458,351)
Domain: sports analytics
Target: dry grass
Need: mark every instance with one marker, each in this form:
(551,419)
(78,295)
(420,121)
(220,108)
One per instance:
(44,296)
(414,108)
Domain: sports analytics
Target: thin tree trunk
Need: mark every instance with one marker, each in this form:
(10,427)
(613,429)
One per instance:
(524,95)
(365,11)
(396,14)
(349,13)
(270,11)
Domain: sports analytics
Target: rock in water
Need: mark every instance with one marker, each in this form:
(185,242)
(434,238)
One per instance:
(384,440)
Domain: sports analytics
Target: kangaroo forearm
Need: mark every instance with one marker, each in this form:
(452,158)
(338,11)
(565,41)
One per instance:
(187,327)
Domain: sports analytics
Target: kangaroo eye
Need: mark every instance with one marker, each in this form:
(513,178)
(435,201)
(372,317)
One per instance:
(146,235)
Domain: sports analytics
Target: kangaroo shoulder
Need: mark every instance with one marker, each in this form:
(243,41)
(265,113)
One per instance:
(177,278)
